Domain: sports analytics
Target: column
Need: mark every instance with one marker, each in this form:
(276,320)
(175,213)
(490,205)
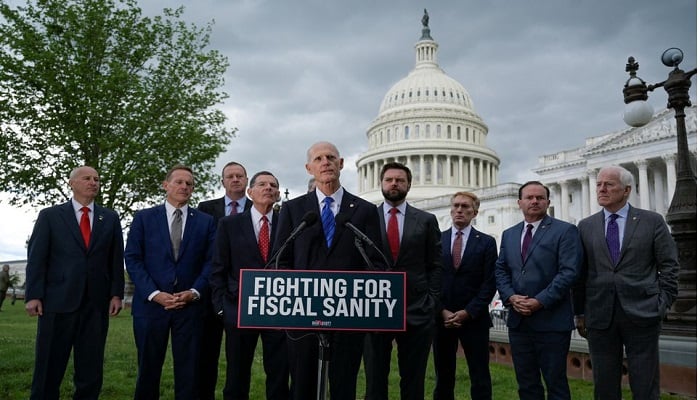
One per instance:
(585,198)
(472,173)
(592,195)
(481,173)
(564,192)
(670,175)
(422,169)
(643,184)
(460,182)
(435,169)
(659,206)
(487,183)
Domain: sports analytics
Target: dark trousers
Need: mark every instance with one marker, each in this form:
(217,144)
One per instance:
(413,350)
(212,333)
(345,353)
(641,343)
(151,333)
(3,293)
(475,343)
(240,351)
(540,355)
(85,332)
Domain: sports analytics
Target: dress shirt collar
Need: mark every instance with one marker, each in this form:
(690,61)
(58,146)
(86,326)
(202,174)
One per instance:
(337,199)
(77,206)
(401,207)
(622,213)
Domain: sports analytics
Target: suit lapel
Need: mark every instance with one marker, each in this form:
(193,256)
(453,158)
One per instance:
(410,224)
(189,228)
(630,226)
(97,225)
(161,222)
(68,215)
(541,231)
(472,244)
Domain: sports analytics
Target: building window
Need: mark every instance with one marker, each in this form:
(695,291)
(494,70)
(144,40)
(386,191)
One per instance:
(416,131)
(438,130)
(427,130)
(449,131)
(492,219)
(459,133)
(406,132)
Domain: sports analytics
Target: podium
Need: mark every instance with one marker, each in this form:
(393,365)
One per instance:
(322,301)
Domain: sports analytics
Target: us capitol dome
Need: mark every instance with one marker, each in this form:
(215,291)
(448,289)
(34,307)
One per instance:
(427,121)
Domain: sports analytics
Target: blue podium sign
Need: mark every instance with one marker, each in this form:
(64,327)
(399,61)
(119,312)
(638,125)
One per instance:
(322,300)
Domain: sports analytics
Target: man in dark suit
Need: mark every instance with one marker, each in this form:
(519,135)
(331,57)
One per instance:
(234,179)
(245,241)
(629,280)
(539,261)
(75,281)
(413,244)
(468,285)
(332,248)
(168,257)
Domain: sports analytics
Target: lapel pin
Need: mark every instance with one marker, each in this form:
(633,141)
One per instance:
(100,217)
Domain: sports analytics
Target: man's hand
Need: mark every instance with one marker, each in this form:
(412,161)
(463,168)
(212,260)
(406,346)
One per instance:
(581,325)
(115,306)
(34,308)
(524,305)
(454,320)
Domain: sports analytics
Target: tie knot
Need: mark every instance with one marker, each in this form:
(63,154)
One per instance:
(393,210)
(613,217)
(328,200)
(263,219)
(529,227)
(177,212)
(85,210)
(459,233)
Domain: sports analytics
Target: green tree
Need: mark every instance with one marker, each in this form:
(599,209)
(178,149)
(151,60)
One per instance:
(95,82)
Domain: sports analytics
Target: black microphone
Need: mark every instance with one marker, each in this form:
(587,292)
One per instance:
(309,219)
(344,219)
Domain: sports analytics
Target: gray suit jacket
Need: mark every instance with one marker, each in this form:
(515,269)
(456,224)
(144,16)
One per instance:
(420,256)
(644,280)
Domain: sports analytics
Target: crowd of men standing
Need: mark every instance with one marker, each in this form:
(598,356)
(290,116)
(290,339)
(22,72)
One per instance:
(612,278)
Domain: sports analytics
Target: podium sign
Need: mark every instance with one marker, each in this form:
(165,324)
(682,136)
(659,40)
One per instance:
(322,300)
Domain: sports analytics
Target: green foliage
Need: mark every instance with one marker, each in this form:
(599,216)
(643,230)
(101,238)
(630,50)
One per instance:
(14,280)
(94,82)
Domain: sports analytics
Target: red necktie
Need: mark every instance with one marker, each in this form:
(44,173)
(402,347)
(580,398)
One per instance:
(264,238)
(526,241)
(85,225)
(392,233)
(234,208)
(457,250)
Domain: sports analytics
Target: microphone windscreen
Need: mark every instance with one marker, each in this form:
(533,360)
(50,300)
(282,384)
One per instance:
(310,218)
(341,219)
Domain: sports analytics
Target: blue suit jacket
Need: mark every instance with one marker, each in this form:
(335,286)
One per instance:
(61,269)
(150,262)
(551,267)
(235,248)
(471,286)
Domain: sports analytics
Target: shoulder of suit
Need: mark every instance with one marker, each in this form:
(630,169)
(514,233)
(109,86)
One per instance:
(209,203)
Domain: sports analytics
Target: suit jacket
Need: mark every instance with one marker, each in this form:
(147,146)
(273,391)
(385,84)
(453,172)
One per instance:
(61,270)
(472,285)
(309,250)
(217,208)
(150,262)
(551,267)
(645,278)
(235,248)
(420,256)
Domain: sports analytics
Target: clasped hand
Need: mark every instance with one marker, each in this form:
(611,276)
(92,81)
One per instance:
(524,305)
(174,301)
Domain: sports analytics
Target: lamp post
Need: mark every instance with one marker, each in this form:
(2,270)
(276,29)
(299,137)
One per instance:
(682,212)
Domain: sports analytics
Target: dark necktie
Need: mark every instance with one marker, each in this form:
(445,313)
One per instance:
(328,220)
(85,225)
(234,208)
(526,241)
(392,233)
(457,250)
(264,238)
(176,232)
(613,239)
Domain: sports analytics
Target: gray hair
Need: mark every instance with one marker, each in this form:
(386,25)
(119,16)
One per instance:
(626,177)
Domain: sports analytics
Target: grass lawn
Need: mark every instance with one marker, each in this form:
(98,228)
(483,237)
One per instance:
(17,333)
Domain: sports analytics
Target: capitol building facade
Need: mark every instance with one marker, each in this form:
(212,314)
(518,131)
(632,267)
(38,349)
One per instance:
(427,121)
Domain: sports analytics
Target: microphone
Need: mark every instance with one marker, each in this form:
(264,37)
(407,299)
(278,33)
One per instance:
(309,219)
(344,219)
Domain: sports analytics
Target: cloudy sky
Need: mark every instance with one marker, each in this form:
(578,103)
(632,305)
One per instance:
(543,75)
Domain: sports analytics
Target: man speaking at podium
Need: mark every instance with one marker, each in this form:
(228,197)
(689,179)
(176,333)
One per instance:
(325,246)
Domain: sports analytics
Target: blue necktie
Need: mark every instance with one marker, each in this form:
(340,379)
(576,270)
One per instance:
(613,239)
(328,220)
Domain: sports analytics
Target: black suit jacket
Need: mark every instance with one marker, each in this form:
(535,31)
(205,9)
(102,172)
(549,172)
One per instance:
(309,250)
(217,208)
(471,286)
(420,256)
(61,270)
(235,248)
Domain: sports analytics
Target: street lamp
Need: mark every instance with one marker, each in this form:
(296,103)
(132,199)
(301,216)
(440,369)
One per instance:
(682,212)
